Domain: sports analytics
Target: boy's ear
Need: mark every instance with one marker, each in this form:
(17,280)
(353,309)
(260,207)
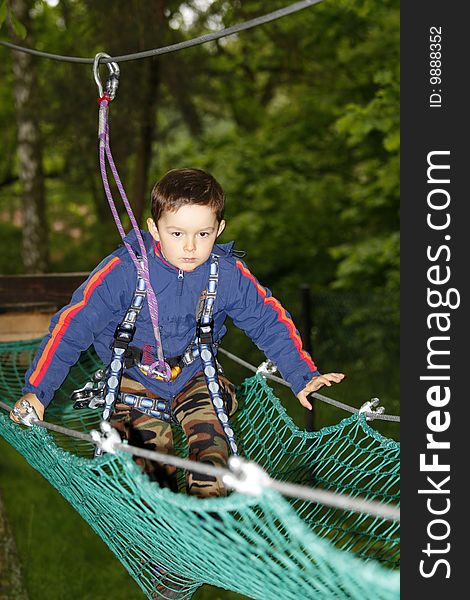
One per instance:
(153,229)
(221,227)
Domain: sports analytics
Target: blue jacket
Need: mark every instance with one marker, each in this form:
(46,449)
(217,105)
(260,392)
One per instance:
(100,303)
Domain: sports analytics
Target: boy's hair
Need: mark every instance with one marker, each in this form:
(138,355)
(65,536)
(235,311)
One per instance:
(180,187)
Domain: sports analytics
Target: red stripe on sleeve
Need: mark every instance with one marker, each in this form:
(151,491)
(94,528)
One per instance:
(281,315)
(64,322)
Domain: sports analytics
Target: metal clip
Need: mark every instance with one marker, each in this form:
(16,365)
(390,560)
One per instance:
(107,439)
(113,79)
(26,414)
(160,371)
(372,407)
(246,477)
(266,368)
(91,394)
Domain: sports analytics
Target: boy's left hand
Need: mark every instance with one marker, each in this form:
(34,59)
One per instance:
(315,384)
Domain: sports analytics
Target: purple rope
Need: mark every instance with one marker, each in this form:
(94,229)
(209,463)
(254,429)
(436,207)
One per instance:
(160,366)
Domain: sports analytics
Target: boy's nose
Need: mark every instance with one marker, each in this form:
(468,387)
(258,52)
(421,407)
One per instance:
(190,245)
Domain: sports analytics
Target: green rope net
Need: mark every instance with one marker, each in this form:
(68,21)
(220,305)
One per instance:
(263,546)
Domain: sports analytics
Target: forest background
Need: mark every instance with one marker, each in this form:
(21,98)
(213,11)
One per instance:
(297,119)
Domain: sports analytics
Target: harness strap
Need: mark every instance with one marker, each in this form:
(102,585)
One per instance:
(122,338)
(125,330)
(204,334)
(155,407)
(91,396)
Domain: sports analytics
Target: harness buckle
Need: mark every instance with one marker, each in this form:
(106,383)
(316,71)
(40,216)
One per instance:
(204,333)
(123,335)
(132,357)
(89,399)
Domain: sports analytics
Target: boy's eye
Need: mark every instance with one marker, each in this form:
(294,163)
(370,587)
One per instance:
(204,234)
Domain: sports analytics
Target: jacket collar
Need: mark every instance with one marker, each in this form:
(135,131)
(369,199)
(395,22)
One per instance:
(218,250)
(157,250)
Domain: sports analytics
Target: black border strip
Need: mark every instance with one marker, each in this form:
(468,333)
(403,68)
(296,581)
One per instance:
(434,568)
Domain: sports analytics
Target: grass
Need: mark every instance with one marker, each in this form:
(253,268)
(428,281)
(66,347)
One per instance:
(61,556)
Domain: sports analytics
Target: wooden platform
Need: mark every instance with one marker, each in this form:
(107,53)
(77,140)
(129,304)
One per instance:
(27,302)
(23,325)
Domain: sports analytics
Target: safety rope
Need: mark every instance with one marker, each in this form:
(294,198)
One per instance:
(351,409)
(245,477)
(208,37)
(141,265)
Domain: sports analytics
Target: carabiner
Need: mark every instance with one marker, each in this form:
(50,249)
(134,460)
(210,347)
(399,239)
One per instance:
(113,79)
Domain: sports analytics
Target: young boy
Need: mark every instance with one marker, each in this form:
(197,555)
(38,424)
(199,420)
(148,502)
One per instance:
(187,218)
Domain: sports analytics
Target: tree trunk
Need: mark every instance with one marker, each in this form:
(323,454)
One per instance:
(187,107)
(34,246)
(146,129)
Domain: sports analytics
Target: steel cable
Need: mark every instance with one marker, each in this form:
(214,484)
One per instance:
(208,37)
(316,395)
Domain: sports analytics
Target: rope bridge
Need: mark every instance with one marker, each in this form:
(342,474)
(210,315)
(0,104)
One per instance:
(259,546)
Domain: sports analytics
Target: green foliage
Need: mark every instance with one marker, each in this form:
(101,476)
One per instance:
(11,241)
(9,17)
(3,11)
(18,27)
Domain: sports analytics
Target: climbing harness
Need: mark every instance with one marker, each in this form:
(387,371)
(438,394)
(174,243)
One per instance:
(104,388)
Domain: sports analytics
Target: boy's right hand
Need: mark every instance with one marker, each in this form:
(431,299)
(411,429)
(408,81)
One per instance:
(35,403)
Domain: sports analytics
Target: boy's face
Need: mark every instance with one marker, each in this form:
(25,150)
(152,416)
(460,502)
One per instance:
(187,235)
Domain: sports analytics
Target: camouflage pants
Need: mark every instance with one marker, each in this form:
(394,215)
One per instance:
(193,411)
